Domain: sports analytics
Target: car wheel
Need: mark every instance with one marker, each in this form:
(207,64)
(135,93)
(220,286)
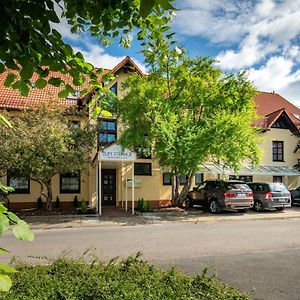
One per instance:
(280,208)
(243,210)
(214,207)
(188,203)
(258,206)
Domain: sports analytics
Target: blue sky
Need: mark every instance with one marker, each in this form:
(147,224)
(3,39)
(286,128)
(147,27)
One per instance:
(261,37)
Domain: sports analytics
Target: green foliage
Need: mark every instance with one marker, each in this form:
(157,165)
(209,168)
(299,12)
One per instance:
(189,112)
(57,202)
(75,202)
(129,279)
(83,207)
(21,231)
(43,144)
(39,203)
(31,44)
(143,206)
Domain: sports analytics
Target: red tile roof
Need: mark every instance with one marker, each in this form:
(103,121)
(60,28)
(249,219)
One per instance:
(11,98)
(267,103)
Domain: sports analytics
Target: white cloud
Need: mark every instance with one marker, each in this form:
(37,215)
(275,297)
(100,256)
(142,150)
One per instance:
(255,29)
(278,75)
(97,56)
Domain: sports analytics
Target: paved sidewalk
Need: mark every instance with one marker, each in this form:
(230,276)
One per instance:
(195,216)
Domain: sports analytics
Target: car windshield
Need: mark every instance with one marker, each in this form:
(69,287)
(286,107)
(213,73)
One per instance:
(237,186)
(278,187)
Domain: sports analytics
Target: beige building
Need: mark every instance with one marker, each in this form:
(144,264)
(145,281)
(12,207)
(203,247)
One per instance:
(119,178)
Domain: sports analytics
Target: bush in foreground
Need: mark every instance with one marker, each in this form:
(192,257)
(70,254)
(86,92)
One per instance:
(132,279)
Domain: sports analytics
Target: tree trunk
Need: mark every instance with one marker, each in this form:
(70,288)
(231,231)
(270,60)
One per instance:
(49,194)
(186,188)
(46,194)
(178,198)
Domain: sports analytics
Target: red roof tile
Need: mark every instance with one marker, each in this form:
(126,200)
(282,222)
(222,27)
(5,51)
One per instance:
(267,103)
(11,98)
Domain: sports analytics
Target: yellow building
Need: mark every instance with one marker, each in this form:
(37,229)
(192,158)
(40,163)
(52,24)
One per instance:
(119,178)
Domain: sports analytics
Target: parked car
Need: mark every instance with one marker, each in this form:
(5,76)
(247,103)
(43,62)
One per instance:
(270,195)
(217,195)
(295,195)
(4,199)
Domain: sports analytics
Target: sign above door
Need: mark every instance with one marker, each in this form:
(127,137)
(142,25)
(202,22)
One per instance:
(115,152)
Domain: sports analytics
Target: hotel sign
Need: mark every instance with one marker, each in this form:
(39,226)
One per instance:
(116,153)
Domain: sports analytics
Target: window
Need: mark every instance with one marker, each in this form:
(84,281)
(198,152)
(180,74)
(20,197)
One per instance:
(107,132)
(21,184)
(70,183)
(114,89)
(142,169)
(182,179)
(144,152)
(277,178)
(167,178)
(198,178)
(246,178)
(74,124)
(277,151)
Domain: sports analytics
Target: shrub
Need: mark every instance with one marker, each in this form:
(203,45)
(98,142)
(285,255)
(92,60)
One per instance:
(57,203)
(143,206)
(131,278)
(83,207)
(75,202)
(39,203)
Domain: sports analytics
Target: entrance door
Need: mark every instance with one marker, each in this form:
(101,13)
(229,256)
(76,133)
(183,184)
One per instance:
(108,187)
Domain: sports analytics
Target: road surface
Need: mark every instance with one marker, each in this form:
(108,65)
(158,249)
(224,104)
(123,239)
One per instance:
(259,255)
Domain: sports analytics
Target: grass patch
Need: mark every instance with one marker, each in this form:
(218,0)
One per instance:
(132,278)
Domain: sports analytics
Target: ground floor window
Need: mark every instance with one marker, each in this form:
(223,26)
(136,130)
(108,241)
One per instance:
(246,178)
(143,169)
(167,178)
(70,183)
(21,184)
(277,178)
(182,179)
(198,178)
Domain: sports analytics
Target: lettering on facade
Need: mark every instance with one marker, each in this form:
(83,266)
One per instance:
(115,153)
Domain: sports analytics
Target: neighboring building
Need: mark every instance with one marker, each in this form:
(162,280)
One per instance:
(109,177)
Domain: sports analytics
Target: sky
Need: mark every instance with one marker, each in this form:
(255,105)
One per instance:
(261,37)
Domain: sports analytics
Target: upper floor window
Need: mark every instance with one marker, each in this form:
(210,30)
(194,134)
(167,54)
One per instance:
(142,169)
(70,183)
(21,184)
(277,151)
(107,132)
(114,88)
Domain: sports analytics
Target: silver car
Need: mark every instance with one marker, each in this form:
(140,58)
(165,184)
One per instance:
(270,195)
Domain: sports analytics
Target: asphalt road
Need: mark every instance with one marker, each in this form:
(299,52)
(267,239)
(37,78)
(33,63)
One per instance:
(259,255)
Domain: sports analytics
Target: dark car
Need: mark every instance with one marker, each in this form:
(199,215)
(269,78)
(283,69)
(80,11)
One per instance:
(295,195)
(217,195)
(270,195)
(4,198)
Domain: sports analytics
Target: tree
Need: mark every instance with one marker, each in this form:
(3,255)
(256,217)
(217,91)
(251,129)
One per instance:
(21,231)
(188,112)
(30,43)
(44,144)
